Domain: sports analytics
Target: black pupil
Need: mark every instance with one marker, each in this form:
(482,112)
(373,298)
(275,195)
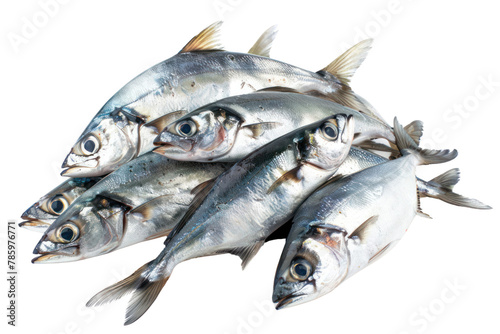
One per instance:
(89,146)
(185,128)
(300,270)
(67,234)
(330,132)
(57,206)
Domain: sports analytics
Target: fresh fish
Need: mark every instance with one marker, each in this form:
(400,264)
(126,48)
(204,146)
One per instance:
(349,223)
(440,187)
(142,200)
(40,215)
(199,74)
(231,128)
(269,183)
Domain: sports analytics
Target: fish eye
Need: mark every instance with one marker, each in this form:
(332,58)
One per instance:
(330,131)
(58,204)
(186,128)
(90,145)
(300,269)
(67,233)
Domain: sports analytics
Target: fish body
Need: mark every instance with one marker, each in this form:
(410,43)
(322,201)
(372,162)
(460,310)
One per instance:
(231,128)
(201,73)
(270,184)
(349,223)
(142,200)
(45,211)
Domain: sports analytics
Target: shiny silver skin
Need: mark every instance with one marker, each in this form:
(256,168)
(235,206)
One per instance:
(348,224)
(229,129)
(221,223)
(121,130)
(45,211)
(142,200)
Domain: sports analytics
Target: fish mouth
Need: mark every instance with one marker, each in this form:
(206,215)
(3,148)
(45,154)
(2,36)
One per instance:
(63,254)
(169,148)
(77,165)
(76,171)
(288,300)
(34,224)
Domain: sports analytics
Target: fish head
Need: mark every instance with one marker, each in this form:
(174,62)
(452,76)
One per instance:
(327,146)
(93,229)
(314,261)
(105,145)
(200,135)
(45,211)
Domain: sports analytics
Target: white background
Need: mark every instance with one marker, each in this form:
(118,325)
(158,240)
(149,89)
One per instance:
(428,56)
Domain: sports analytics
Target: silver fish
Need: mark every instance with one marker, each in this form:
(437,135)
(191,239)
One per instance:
(142,200)
(440,187)
(45,211)
(269,183)
(231,128)
(349,223)
(199,74)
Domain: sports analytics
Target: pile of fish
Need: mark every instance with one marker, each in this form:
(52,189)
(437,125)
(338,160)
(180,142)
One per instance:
(221,151)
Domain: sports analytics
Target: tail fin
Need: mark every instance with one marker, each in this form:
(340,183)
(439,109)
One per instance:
(426,157)
(441,187)
(143,288)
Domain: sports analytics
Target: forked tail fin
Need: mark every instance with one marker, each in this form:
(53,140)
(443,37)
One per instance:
(141,284)
(407,145)
(441,187)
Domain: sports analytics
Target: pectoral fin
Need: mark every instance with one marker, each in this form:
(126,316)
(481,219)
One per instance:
(259,128)
(363,230)
(146,209)
(292,175)
(200,192)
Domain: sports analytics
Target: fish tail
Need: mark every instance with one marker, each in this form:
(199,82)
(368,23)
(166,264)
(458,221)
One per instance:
(443,190)
(144,291)
(407,145)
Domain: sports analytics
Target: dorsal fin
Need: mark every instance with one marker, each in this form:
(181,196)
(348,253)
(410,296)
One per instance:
(200,192)
(344,67)
(280,89)
(263,45)
(206,40)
